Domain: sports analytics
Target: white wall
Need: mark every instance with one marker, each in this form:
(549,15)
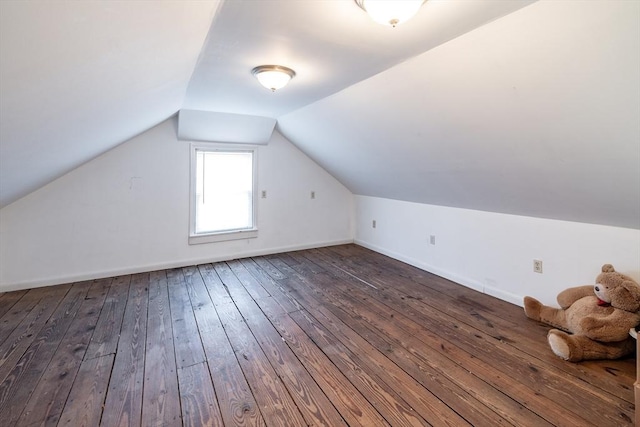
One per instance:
(128,211)
(78,71)
(535,114)
(492,252)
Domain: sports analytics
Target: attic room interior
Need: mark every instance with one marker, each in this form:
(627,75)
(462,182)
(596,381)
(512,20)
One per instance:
(180,245)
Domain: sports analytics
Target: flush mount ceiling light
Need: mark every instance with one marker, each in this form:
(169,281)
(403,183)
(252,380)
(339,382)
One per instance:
(390,12)
(273,77)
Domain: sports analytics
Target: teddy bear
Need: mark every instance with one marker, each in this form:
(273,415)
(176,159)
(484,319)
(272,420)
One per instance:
(593,321)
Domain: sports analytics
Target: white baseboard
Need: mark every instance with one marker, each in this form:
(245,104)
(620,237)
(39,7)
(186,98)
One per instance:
(163,265)
(469,283)
(464,281)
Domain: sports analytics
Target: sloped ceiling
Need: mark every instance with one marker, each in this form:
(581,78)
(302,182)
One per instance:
(79,77)
(485,105)
(331,44)
(536,114)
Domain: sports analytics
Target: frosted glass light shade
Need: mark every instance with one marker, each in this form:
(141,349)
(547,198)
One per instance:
(273,77)
(390,12)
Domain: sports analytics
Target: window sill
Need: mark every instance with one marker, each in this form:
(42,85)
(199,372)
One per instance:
(197,239)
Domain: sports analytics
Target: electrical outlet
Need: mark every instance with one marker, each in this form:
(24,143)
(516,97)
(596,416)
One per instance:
(313,194)
(432,239)
(537,266)
(264,194)
(373,224)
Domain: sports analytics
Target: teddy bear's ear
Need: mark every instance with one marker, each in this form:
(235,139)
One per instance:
(608,268)
(626,296)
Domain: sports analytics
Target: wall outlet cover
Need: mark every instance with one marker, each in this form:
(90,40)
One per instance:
(537,266)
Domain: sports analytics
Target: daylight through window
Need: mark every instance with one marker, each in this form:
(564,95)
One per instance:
(223,200)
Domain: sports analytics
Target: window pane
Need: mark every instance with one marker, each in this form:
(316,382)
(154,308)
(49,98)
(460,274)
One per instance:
(224,191)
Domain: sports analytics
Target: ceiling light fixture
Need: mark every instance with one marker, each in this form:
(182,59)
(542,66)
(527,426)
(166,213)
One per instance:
(273,77)
(390,12)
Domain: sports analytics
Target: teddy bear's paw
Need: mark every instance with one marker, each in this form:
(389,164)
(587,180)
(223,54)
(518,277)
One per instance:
(532,308)
(562,345)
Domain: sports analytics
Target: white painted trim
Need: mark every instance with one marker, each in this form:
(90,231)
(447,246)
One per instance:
(505,296)
(464,281)
(195,238)
(162,266)
(223,236)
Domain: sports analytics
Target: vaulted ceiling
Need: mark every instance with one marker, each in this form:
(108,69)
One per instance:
(80,77)
(506,106)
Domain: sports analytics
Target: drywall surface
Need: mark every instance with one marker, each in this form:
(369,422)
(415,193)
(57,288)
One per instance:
(99,71)
(492,252)
(534,114)
(197,125)
(128,211)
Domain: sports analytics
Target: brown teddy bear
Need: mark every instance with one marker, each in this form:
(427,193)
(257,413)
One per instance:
(598,318)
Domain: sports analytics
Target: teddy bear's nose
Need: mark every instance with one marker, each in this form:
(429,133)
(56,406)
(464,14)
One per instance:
(597,289)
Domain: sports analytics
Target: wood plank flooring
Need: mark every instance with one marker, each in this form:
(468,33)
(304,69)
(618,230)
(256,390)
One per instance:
(338,336)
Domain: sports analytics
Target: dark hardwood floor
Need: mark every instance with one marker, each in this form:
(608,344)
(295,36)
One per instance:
(332,336)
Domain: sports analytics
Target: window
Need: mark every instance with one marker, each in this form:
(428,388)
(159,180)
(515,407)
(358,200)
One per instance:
(222,193)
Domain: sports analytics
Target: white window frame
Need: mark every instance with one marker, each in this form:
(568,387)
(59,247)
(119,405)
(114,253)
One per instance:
(221,236)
